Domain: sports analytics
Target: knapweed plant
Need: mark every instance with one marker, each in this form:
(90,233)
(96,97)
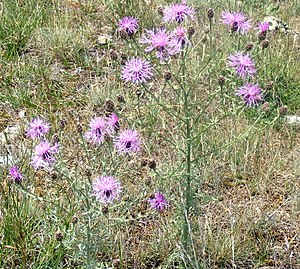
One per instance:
(165,56)
(143,161)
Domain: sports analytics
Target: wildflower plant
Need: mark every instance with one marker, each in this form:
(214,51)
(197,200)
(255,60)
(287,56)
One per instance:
(192,86)
(174,50)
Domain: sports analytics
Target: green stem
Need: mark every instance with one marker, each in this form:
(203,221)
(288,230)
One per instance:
(188,141)
(88,231)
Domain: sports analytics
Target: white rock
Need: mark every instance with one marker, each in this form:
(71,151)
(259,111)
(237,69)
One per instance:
(292,119)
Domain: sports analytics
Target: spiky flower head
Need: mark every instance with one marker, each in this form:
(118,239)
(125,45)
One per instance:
(15,174)
(107,189)
(263,27)
(128,142)
(179,39)
(159,201)
(44,155)
(113,122)
(37,128)
(129,25)
(243,64)
(237,21)
(159,41)
(251,94)
(178,13)
(137,71)
(97,131)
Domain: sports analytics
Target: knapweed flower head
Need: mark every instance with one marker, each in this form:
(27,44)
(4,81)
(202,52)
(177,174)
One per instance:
(44,155)
(137,71)
(159,201)
(37,128)
(251,94)
(178,13)
(243,64)
(129,25)
(128,142)
(237,21)
(159,41)
(106,189)
(263,27)
(179,39)
(113,122)
(15,174)
(97,131)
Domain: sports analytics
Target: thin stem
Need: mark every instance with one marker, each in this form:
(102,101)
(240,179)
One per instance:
(88,230)
(162,105)
(188,141)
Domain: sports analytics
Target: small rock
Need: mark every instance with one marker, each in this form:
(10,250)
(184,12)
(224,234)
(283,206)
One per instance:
(292,119)
(104,39)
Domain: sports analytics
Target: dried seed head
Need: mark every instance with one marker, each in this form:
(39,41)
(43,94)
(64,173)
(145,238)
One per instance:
(249,46)
(160,11)
(59,236)
(168,76)
(152,164)
(109,105)
(107,137)
(105,209)
(262,36)
(269,85)
(121,98)
(88,173)
(221,80)
(191,31)
(265,44)
(210,13)
(74,220)
(265,107)
(123,34)
(148,181)
(123,58)
(144,162)
(62,124)
(113,54)
(79,128)
(55,138)
(283,110)
(53,175)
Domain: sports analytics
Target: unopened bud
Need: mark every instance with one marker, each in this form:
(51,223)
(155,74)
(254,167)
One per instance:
(210,13)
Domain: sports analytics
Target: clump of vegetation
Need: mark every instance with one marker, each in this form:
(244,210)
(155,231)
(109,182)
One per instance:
(148,135)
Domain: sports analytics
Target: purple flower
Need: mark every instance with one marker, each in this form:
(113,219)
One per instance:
(243,64)
(263,27)
(179,39)
(98,129)
(37,128)
(127,142)
(251,94)
(113,122)
(158,40)
(178,13)
(15,174)
(137,71)
(159,201)
(237,21)
(129,25)
(106,189)
(44,155)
